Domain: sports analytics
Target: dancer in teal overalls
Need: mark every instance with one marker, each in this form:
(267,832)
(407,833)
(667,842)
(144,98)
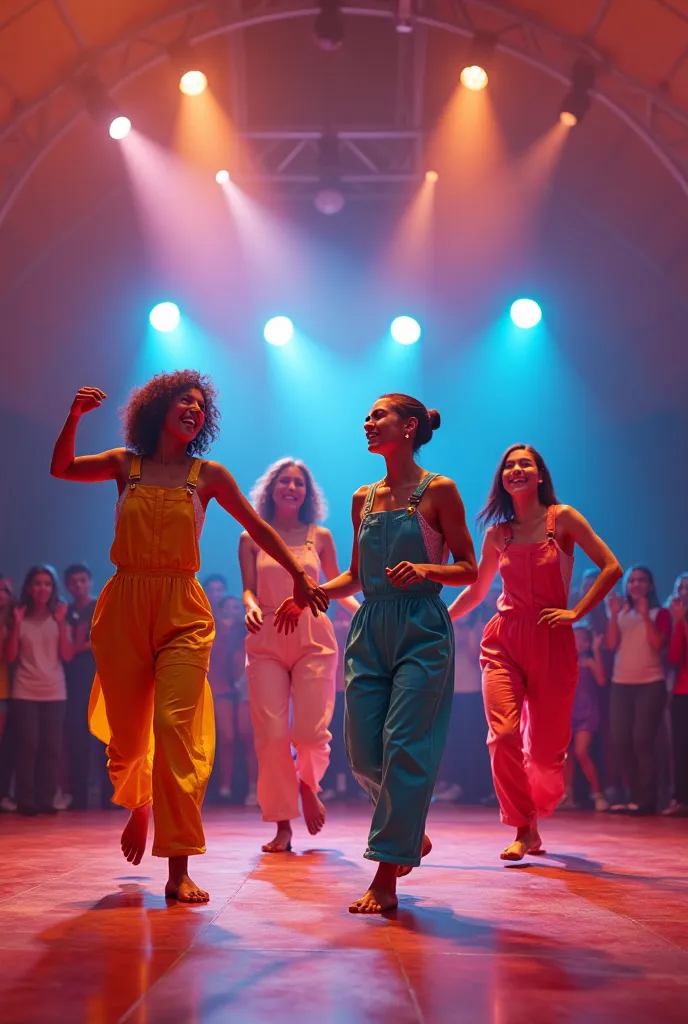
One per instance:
(400,653)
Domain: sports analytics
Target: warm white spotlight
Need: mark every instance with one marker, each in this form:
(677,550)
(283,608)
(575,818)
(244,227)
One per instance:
(474,77)
(222,177)
(329,201)
(193,83)
(432,177)
(120,127)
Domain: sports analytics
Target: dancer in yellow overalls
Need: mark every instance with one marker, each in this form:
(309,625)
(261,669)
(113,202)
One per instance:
(153,628)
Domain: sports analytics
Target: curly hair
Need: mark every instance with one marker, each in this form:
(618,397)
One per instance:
(314,508)
(144,414)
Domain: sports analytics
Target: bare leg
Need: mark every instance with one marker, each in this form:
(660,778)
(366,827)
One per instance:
(404,869)
(224,716)
(527,841)
(282,841)
(313,809)
(582,743)
(135,834)
(382,894)
(180,886)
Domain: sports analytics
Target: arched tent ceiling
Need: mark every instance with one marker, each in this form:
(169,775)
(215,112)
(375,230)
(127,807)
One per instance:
(625,169)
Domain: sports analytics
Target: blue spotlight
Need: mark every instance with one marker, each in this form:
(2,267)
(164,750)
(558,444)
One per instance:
(279,330)
(526,313)
(405,330)
(164,317)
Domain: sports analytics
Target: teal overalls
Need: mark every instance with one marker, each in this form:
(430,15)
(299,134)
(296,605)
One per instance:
(399,682)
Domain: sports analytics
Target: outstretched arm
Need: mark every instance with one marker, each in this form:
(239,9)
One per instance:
(328,560)
(249,582)
(474,595)
(221,485)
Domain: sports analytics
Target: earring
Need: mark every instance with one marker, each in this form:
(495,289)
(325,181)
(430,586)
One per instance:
(406,436)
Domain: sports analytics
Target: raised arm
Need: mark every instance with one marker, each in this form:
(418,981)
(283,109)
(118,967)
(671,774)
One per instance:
(221,485)
(90,469)
(328,560)
(474,595)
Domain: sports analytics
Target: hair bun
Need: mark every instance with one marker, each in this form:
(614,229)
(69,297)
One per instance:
(434,419)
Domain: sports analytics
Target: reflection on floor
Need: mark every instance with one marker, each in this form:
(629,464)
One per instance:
(595,931)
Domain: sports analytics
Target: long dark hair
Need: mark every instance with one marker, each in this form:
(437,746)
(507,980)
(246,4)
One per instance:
(499,508)
(652,597)
(26,600)
(429,420)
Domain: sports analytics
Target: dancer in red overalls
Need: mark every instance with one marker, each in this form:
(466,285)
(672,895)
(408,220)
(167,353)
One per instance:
(530,667)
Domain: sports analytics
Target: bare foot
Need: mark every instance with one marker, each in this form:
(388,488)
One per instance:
(314,812)
(375,901)
(282,841)
(527,841)
(406,869)
(382,894)
(186,891)
(135,834)
(180,886)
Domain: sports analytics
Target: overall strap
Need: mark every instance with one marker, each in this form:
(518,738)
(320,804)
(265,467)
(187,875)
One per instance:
(551,523)
(414,500)
(134,472)
(310,536)
(192,479)
(369,502)
(508,533)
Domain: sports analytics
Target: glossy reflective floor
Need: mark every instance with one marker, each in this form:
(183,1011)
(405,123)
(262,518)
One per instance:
(596,931)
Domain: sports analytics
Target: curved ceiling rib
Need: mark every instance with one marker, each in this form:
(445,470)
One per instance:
(649,111)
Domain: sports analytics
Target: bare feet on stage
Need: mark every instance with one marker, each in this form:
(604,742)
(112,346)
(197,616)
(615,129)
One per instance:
(406,869)
(382,894)
(313,809)
(527,841)
(135,834)
(180,886)
(282,841)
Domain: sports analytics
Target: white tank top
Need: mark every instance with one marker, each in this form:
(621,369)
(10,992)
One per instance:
(636,661)
(39,674)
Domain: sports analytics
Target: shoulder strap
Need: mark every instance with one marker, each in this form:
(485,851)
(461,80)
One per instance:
(508,533)
(192,478)
(135,470)
(369,502)
(551,523)
(414,500)
(310,536)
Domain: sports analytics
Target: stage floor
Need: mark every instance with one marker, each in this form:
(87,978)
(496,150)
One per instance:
(596,931)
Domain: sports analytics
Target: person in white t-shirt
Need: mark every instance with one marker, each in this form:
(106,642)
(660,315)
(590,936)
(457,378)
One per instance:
(39,643)
(638,632)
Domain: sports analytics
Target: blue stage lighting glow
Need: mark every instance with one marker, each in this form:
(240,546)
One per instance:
(279,330)
(164,317)
(405,330)
(526,313)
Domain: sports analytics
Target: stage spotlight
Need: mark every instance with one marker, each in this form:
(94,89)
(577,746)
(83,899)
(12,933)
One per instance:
(405,330)
(278,331)
(431,176)
(329,26)
(404,24)
(164,317)
(328,201)
(222,177)
(475,72)
(577,102)
(193,83)
(101,108)
(119,127)
(526,313)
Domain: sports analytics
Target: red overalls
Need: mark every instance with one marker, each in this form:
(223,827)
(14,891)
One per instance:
(529,679)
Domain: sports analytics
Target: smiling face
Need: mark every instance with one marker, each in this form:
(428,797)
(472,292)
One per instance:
(40,590)
(385,429)
(186,415)
(520,474)
(289,490)
(638,585)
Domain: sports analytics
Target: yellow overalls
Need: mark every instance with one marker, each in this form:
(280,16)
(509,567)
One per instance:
(152,635)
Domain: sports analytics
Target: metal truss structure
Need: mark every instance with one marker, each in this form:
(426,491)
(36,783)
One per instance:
(373,162)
